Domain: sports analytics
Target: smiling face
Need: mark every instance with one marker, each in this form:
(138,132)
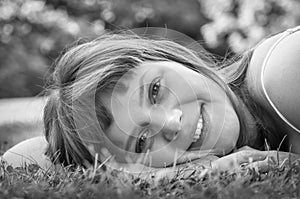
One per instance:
(164,111)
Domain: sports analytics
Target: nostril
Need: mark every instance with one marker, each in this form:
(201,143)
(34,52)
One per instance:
(175,135)
(170,136)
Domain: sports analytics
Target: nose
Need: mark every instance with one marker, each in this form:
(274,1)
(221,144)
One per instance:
(170,123)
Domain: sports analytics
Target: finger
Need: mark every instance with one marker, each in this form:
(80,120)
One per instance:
(280,156)
(234,161)
(241,157)
(262,166)
(249,156)
(225,164)
(165,173)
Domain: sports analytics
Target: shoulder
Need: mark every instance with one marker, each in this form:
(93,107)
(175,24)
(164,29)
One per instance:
(30,151)
(276,62)
(282,76)
(282,61)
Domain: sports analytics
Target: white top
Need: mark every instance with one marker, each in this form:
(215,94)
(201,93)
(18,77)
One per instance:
(30,151)
(284,35)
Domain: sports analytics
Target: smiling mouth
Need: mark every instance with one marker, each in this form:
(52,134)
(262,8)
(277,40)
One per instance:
(198,131)
(198,134)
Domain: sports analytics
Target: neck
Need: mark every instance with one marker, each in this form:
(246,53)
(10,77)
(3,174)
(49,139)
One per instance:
(261,128)
(257,122)
(250,126)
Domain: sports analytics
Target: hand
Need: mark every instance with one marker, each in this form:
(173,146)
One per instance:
(196,167)
(247,157)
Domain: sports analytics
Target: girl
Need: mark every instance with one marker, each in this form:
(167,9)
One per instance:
(158,103)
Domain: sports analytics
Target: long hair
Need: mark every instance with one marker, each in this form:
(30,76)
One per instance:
(91,69)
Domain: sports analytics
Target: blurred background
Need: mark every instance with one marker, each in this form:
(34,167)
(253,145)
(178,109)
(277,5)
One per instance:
(33,32)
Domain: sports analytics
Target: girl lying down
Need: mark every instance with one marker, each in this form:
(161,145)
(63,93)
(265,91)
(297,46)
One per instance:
(154,103)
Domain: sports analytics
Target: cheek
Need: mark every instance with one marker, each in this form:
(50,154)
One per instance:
(164,154)
(224,135)
(162,157)
(231,124)
(204,88)
(161,153)
(183,86)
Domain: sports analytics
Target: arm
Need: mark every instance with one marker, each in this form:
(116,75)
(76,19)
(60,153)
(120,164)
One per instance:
(30,151)
(282,80)
(282,77)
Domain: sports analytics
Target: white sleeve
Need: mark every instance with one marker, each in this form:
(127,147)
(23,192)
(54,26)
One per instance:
(30,151)
(265,62)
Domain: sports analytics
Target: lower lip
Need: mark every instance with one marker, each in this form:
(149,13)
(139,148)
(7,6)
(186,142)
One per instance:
(205,123)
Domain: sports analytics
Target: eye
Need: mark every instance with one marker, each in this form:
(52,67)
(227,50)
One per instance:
(143,142)
(154,90)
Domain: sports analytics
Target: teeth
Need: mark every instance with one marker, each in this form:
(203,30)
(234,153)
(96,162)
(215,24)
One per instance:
(199,129)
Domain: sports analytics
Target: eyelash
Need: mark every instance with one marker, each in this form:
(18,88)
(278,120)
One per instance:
(155,83)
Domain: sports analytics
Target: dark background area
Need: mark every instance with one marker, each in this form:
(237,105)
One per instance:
(33,32)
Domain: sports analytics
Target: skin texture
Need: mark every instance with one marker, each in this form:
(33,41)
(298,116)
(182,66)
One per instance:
(169,122)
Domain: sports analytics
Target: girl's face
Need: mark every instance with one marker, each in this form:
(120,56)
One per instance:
(165,112)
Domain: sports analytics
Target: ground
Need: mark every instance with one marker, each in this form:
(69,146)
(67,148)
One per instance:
(103,182)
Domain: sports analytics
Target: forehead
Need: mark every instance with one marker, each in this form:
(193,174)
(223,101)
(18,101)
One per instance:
(142,75)
(131,77)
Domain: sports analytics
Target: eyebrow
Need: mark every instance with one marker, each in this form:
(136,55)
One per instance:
(141,90)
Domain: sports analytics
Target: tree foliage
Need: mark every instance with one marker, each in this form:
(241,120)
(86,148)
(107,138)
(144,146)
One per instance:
(33,32)
(243,23)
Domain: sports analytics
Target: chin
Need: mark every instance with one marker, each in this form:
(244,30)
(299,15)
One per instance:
(224,149)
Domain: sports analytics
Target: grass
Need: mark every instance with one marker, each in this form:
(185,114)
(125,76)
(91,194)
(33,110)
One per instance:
(33,182)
